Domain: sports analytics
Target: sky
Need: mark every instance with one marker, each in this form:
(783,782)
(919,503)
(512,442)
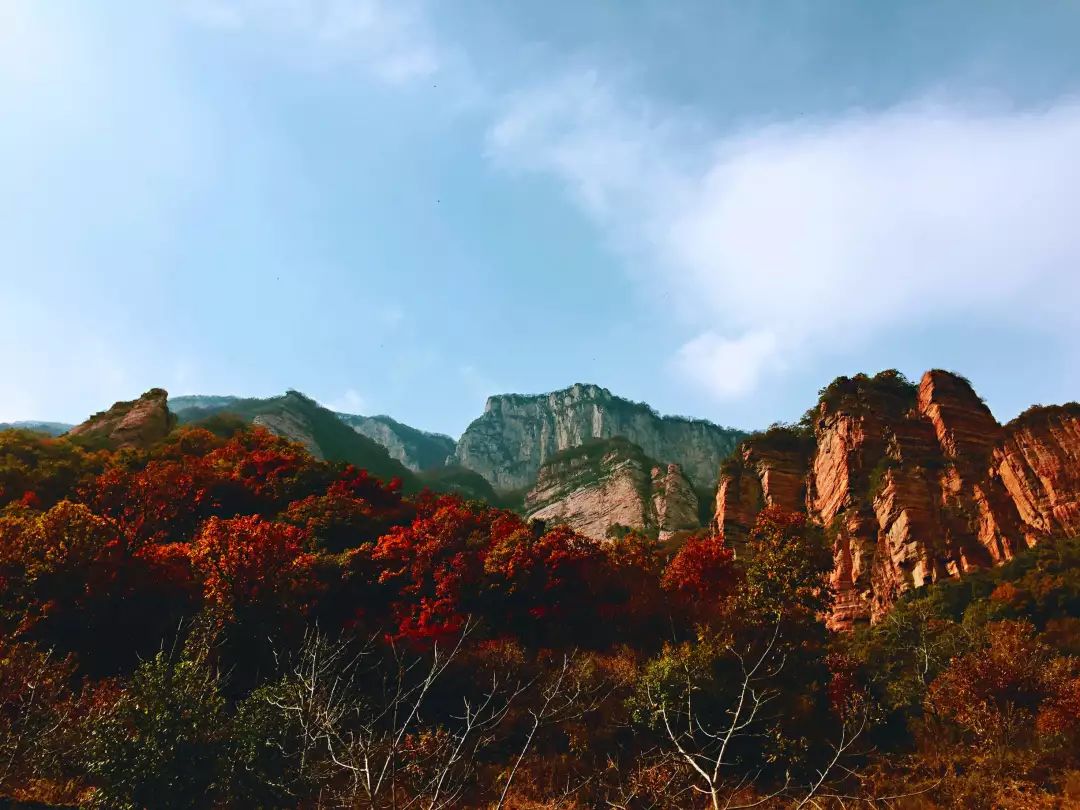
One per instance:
(403,207)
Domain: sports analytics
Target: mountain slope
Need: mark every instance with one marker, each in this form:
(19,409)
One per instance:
(517,434)
(416,449)
(301,419)
(48,428)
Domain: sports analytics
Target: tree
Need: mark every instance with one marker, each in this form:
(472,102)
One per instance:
(546,589)
(718,709)
(247,562)
(701,577)
(162,743)
(434,567)
(786,568)
(37,711)
(348,514)
(1013,692)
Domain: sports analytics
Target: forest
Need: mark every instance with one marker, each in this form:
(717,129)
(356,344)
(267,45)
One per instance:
(223,621)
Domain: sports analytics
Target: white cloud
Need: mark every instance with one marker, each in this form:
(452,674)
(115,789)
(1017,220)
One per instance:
(785,240)
(349,402)
(727,367)
(390,38)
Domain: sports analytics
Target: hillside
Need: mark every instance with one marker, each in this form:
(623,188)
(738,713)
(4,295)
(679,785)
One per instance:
(416,449)
(300,419)
(48,428)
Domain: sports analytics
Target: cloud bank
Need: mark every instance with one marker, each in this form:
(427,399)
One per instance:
(783,240)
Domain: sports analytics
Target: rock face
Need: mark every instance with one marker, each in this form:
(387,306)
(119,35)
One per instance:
(416,449)
(1038,463)
(517,434)
(137,423)
(602,484)
(768,469)
(911,484)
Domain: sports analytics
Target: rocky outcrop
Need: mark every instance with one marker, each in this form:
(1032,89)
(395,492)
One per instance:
(517,434)
(674,503)
(416,449)
(1038,464)
(604,484)
(911,484)
(768,469)
(136,423)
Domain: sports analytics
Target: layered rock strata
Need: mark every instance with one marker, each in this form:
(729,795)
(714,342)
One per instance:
(911,484)
(606,484)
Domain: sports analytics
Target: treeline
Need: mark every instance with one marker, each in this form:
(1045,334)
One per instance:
(223,621)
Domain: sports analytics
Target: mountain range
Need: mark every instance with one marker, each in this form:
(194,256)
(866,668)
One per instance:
(910,483)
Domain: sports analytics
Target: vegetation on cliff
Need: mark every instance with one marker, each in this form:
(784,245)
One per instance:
(222,619)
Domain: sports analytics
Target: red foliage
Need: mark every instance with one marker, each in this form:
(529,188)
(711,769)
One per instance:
(551,578)
(352,512)
(161,503)
(847,693)
(272,470)
(247,561)
(436,566)
(1009,689)
(701,576)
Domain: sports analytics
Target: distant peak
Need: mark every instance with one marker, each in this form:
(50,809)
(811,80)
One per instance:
(576,392)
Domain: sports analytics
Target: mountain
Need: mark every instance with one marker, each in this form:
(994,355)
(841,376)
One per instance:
(48,428)
(608,483)
(516,434)
(136,423)
(300,419)
(911,483)
(416,449)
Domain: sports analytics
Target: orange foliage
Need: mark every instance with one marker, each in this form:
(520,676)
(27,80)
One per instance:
(248,561)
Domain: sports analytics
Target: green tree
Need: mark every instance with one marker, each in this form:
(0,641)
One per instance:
(162,743)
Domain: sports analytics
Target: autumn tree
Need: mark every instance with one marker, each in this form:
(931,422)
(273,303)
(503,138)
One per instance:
(1013,692)
(701,578)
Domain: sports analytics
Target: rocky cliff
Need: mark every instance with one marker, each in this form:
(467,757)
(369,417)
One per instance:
(910,483)
(1038,463)
(136,423)
(416,449)
(608,483)
(517,434)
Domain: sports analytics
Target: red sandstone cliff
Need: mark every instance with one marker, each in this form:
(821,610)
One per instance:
(1038,464)
(911,483)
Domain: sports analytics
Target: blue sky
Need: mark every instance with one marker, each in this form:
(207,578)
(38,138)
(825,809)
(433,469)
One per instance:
(403,207)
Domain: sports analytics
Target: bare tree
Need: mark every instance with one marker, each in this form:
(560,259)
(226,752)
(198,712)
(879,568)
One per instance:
(566,695)
(365,730)
(36,709)
(705,740)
